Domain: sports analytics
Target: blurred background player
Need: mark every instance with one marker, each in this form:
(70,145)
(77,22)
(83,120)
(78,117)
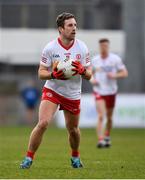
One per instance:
(30,96)
(107,68)
(59,91)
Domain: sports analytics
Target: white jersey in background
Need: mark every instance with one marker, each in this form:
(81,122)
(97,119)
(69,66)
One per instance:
(56,51)
(112,63)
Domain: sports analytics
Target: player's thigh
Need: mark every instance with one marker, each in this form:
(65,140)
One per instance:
(47,110)
(101,107)
(71,120)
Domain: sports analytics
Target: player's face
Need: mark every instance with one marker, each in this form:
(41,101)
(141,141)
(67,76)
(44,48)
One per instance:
(69,29)
(104,48)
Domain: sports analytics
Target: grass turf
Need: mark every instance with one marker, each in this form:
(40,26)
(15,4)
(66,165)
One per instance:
(125,159)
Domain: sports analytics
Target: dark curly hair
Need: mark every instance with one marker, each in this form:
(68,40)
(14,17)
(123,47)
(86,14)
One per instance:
(62,17)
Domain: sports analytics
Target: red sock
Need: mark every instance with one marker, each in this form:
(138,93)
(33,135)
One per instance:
(30,154)
(107,133)
(75,153)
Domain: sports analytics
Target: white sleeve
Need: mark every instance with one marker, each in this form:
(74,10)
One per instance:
(94,63)
(120,65)
(46,58)
(86,57)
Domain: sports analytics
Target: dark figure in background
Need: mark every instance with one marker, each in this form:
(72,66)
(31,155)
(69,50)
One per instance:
(30,95)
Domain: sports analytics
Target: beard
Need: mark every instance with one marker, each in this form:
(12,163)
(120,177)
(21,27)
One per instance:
(70,37)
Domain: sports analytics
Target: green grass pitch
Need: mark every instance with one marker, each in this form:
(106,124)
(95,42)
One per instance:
(125,159)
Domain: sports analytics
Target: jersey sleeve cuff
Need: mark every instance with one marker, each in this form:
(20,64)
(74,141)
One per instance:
(46,65)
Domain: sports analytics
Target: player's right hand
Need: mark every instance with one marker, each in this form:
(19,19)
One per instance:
(57,74)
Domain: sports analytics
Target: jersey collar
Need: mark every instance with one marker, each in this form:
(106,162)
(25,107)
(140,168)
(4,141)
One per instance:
(65,47)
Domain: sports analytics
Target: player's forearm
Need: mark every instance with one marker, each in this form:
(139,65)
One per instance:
(122,74)
(44,75)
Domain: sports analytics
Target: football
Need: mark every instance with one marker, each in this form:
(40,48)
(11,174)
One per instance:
(66,67)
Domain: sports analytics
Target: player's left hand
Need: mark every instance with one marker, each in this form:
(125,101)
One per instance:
(111,75)
(79,68)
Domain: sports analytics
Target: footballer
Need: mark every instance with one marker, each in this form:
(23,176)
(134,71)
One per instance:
(59,91)
(107,69)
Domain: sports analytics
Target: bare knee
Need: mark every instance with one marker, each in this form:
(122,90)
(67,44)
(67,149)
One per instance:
(109,115)
(100,117)
(73,131)
(109,119)
(42,124)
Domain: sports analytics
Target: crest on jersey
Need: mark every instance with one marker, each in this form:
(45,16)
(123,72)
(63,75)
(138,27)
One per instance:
(78,56)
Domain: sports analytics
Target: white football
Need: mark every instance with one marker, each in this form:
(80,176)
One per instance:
(66,67)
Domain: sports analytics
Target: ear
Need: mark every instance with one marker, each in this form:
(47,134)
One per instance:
(60,29)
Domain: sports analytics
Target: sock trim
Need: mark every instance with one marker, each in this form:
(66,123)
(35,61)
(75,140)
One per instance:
(75,153)
(30,154)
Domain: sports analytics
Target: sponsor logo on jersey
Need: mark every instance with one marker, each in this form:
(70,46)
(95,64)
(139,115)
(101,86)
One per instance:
(67,55)
(56,56)
(87,58)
